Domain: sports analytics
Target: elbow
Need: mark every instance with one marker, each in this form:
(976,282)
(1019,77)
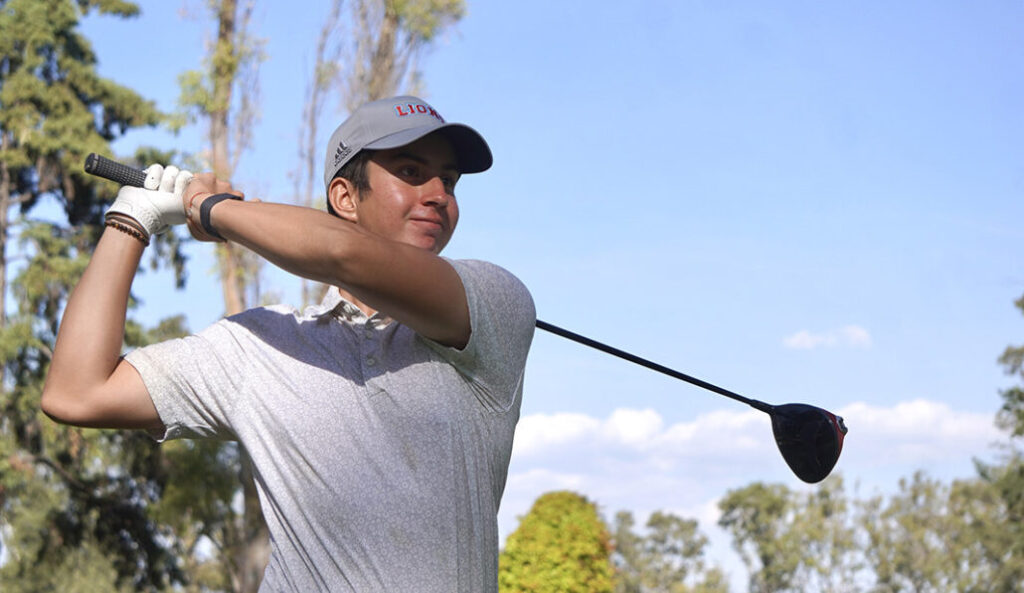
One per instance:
(65,405)
(53,403)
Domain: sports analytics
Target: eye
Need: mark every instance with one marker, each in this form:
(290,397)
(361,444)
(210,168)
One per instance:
(409,171)
(449,182)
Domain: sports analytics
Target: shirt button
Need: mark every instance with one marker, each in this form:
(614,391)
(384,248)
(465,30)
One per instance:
(369,333)
(370,361)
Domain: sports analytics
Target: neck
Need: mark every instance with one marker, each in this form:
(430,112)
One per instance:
(348,296)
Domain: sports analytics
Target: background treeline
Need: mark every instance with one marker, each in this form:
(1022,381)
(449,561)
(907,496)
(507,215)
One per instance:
(927,537)
(100,511)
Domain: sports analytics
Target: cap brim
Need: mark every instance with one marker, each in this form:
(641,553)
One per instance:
(471,150)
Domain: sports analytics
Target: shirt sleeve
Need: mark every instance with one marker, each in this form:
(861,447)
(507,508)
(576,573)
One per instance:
(190,381)
(502,320)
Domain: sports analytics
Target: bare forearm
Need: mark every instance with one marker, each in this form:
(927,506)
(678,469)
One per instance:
(91,333)
(412,285)
(306,242)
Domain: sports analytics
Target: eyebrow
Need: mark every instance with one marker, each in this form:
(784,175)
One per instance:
(423,161)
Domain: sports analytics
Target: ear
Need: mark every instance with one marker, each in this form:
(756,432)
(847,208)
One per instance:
(343,198)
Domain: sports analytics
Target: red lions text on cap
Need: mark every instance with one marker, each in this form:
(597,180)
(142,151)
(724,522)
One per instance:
(411,108)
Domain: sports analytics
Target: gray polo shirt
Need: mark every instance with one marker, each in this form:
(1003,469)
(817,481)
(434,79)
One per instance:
(380,456)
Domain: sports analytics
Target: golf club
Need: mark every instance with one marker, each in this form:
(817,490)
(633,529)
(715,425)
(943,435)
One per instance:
(809,438)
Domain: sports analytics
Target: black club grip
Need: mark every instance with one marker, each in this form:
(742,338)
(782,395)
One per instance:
(101,166)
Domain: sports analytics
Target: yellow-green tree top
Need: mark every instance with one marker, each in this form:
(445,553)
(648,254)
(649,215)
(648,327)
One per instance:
(561,545)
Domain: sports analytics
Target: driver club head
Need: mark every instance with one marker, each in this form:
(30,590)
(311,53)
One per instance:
(809,438)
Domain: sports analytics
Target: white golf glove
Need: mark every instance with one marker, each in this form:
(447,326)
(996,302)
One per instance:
(159,205)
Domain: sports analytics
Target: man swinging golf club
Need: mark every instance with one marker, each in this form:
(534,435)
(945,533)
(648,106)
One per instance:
(380,423)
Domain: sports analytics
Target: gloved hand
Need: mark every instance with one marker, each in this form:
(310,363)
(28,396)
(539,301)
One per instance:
(159,205)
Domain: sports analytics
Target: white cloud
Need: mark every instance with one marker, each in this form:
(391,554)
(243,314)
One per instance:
(538,432)
(917,432)
(633,427)
(850,336)
(629,432)
(547,479)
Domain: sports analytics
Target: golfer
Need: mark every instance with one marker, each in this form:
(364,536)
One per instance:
(380,422)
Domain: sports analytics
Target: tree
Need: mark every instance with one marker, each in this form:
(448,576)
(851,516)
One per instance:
(757,517)
(325,77)
(827,533)
(987,536)
(906,546)
(793,541)
(933,537)
(390,38)
(225,95)
(1001,533)
(561,545)
(668,558)
(48,93)
(1011,416)
(74,503)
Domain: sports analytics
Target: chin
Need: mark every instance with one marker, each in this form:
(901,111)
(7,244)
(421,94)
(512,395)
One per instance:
(427,244)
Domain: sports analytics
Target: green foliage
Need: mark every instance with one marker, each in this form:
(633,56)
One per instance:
(994,506)
(934,537)
(907,537)
(825,529)
(792,541)
(928,537)
(227,81)
(70,495)
(390,37)
(54,108)
(667,558)
(990,528)
(758,518)
(1011,415)
(561,545)
(424,19)
(74,504)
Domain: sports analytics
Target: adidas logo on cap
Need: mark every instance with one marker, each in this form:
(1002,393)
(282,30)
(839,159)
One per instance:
(340,154)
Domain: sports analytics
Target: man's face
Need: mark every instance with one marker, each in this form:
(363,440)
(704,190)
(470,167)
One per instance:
(412,195)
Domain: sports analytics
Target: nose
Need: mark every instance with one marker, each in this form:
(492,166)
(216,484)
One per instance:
(435,192)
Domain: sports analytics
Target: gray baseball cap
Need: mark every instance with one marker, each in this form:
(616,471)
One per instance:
(397,121)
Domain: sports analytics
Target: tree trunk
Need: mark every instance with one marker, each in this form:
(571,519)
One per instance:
(383,75)
(325,76)
(251,557)
(250,548)
(223,78)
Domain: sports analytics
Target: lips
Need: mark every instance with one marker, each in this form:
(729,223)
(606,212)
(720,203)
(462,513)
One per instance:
(430,222)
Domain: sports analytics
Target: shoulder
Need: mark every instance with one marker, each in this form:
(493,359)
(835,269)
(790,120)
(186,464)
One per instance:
(500,305)
(486,277)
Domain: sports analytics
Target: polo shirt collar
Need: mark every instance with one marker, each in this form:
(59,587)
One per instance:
(335,305)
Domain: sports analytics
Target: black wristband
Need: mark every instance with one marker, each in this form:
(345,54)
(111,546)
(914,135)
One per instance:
(204,212)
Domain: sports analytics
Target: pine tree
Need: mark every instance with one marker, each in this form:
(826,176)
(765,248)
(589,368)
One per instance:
(74,503)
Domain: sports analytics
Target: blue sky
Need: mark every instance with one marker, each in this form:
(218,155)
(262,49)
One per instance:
(799,201)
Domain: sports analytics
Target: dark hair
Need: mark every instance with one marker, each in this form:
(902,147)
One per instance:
(355,171)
